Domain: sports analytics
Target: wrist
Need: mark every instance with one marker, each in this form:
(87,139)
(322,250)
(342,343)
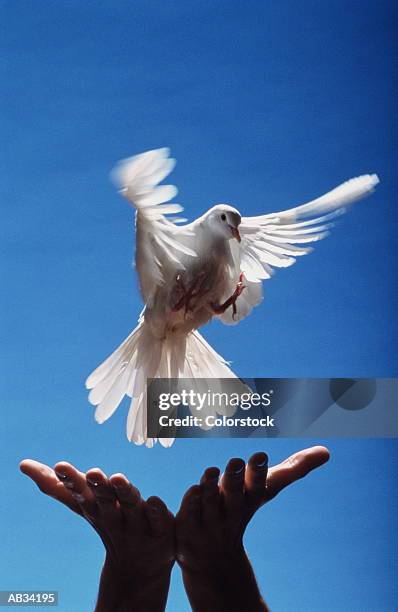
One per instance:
(225,565)
(124,588)
(226,583)
(220,558)
(128,573)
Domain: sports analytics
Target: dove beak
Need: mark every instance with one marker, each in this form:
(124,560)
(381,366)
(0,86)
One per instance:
(235,233)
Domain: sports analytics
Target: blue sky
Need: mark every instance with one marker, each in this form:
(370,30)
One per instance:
(265,105)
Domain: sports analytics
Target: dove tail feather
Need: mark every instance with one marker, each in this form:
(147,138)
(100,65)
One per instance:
(142,356)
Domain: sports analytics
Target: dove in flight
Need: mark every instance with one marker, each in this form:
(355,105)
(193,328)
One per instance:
(191,273)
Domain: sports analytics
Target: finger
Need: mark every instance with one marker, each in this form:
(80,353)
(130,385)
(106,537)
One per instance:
(295,467)
(48,483)
(256,476)
(210,493)
(103,492)
(190,509)
(158,516)
(128,496)
(74,481)
(232,483)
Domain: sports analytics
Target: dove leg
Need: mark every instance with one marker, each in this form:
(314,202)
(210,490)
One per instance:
(189,293)
(196,290)
(179,288)
(231,301)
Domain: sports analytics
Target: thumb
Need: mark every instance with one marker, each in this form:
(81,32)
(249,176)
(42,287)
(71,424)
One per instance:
(295,467)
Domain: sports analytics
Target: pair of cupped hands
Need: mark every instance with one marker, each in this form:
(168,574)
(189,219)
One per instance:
(143,539)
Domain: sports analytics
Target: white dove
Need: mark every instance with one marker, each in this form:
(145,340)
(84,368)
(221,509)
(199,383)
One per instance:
(189,274)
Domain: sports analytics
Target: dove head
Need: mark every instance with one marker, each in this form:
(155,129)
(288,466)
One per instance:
(223,221)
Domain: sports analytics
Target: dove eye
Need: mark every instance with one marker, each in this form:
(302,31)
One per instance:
(223,217)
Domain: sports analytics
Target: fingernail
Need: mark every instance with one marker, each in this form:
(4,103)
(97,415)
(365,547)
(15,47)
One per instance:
(95,483)
(61,476)
(119,485)
(65,480)
(262,464)
(239,470)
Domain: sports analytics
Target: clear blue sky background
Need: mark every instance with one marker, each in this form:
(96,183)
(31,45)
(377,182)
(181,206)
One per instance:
(265,105)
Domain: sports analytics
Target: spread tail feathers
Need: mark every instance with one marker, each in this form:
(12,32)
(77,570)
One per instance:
(142,356)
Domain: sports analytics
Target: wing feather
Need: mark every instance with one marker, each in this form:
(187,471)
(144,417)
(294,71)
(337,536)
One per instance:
(161,243)
(271,241)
